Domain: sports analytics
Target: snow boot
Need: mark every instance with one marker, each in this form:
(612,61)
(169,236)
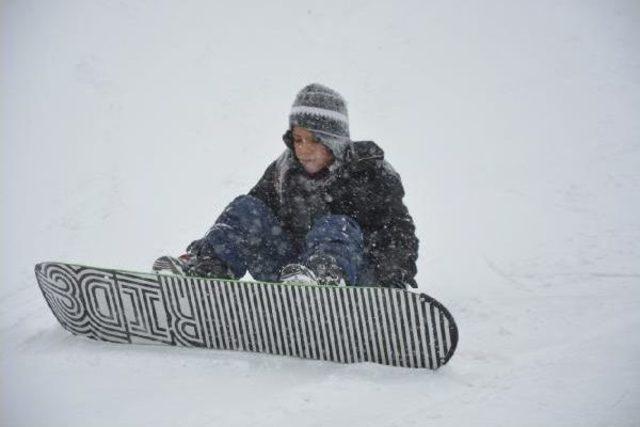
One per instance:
(173,265)
(210,266)
(326,270)
(321,269)
(297,273)
(191,265)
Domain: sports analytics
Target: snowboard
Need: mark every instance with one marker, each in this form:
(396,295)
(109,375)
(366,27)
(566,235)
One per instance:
(341,324)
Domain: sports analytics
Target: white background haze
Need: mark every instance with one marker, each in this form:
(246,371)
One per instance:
(127,126)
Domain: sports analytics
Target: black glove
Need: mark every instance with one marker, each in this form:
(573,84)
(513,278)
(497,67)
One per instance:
(196,247)
(397,279)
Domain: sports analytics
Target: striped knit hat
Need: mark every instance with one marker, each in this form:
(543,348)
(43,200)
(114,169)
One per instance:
(323,111)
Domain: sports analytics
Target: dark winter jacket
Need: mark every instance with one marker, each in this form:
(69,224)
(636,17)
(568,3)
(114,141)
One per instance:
(362,185)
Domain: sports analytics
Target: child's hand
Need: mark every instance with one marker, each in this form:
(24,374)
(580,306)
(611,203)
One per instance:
(195,247)
(397,279)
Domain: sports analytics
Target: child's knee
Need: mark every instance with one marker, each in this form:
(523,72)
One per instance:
(248,203)
(341,223)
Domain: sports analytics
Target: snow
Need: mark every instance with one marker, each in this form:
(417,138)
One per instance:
(128,126)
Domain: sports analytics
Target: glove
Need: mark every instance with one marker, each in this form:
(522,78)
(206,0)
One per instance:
(397,279)
(196,247)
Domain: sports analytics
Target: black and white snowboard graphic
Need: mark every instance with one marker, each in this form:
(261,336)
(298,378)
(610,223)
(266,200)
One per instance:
(341,324)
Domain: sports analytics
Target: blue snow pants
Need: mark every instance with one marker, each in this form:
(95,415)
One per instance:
(248,236)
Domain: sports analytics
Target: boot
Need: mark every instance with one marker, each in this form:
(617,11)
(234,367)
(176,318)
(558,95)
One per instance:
(210,266)
(297,273)
(173,265)
(191,265)
(326,270)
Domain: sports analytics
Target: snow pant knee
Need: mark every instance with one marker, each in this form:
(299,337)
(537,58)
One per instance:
(248,236)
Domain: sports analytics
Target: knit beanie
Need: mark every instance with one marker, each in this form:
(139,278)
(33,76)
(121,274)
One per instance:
(323,111)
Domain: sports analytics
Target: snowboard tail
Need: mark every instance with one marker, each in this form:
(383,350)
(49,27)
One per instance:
(342,324)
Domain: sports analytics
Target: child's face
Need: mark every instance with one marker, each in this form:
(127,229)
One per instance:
(310,153)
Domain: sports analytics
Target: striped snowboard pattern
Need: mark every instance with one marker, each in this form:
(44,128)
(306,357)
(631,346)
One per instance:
(341,324)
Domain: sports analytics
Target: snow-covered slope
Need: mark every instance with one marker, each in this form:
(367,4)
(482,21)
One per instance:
(127,126)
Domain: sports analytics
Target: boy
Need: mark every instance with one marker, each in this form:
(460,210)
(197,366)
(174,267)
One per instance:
(328,211)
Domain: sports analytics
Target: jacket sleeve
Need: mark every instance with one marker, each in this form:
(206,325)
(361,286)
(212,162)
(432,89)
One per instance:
(392,241)
(265,189)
